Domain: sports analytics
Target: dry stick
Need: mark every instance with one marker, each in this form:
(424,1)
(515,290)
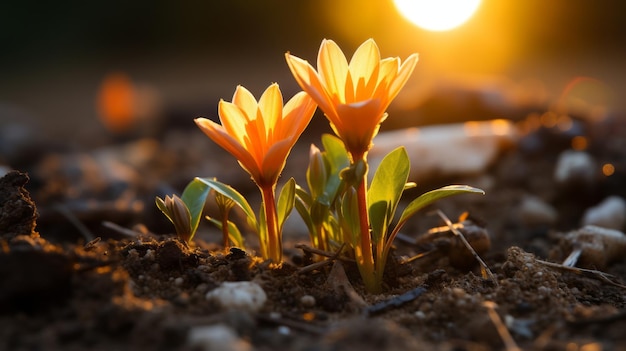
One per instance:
(331,257)
(587,272)
(314,250)
(84,231)
(416,257)
(484,269)
(509,343)
(395,302)
(125,231)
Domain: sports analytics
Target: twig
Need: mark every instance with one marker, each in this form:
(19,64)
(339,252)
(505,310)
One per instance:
(395,302)
(509,343)
(313,266)
(124,231)
(607,278)
(416,257)
(314,250)
(600,320)
(84,231)
(486,272)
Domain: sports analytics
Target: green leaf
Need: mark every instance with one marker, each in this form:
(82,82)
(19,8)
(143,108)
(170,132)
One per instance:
(194,196)
(161,205)
(303,210)
(349,217)
(286,200)
(385,191)
(303,195)
(264,240)
(231,193)
(336,159)
(434,195)
(336,151)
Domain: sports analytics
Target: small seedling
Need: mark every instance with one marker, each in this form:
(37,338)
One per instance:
(185,212)
(177,212)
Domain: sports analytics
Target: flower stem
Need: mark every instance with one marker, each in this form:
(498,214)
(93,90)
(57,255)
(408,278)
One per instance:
(225,236)
(274,249)
(366,265)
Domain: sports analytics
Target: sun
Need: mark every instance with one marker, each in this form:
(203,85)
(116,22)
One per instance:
(437,15)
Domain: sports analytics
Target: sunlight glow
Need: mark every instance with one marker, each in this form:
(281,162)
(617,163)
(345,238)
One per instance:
(437,15)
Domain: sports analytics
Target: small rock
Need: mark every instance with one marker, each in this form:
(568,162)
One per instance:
(216,338)
(447,150)
(610,213)
(535,212)
(575,168)
(248,296)
(593,247)
(307,301)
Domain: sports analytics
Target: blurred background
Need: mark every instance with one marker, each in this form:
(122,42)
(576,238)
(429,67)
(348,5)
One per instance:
(97,98)
(184,56)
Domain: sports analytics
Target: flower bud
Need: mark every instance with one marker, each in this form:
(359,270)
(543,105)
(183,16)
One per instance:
(317,173)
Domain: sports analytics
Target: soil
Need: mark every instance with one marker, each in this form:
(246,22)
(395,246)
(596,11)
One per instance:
(71,283)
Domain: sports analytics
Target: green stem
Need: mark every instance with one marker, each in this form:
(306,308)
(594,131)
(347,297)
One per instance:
(274,247)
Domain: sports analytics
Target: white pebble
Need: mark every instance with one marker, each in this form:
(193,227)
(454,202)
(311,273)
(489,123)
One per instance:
(420,314)
(179,281)
(610,213)
(307,301)
(216,338)
(534,212)
(447,150)
(247,296)
(575,168)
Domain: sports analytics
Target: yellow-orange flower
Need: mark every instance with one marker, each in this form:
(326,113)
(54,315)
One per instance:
(260,134)
(353,96)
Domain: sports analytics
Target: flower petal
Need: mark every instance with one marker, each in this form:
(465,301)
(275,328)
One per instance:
(238,126)
(308,79)
(363,118)
(297,114)
(275,159)
(310,82)
(364,69)
(244,99)
(271,109)
(221,137)
(388,71)
(233,119)
(332,67)
(403,76)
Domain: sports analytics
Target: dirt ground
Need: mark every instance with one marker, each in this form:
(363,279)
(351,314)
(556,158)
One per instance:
(87,262)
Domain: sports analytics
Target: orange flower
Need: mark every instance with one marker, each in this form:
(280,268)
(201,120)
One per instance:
(353,96)
(260,134)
